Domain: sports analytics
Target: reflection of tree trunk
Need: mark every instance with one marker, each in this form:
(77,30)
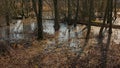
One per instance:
(76,34)
(56,25)
(69,39)
(56,38)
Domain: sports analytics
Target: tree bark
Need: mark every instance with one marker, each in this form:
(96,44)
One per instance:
(104,20)
(69,12)
(89,22)
(38,13)
(39,19)
(110,15)
(56,24)
(77,10)
(7,17)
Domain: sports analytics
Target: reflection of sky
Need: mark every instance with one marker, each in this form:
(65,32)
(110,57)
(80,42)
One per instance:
(18,27)
(63,32)
(14,28)
(48,27)
(116,32)
(33,26)
(63,35)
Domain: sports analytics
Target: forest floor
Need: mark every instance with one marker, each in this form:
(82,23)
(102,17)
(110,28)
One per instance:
(46,54)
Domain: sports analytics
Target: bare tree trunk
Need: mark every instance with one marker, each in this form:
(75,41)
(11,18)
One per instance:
(8,27)
(39,17)
(7,17)
(115,9)
(84,9)
(56,24)
(104,20)
(110,15)
(89,22)
(34,7)
(77,10)
(69,12)
(22,14)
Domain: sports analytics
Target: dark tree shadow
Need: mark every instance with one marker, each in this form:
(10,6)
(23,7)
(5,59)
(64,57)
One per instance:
(104,51)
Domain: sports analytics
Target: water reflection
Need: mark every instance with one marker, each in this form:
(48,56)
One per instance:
(18,27)
(48,26)
(19,30)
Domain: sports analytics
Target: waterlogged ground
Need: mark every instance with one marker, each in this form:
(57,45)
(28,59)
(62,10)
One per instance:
(61,49)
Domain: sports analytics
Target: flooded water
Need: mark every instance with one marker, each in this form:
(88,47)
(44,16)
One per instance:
(116,32)
(18,31)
